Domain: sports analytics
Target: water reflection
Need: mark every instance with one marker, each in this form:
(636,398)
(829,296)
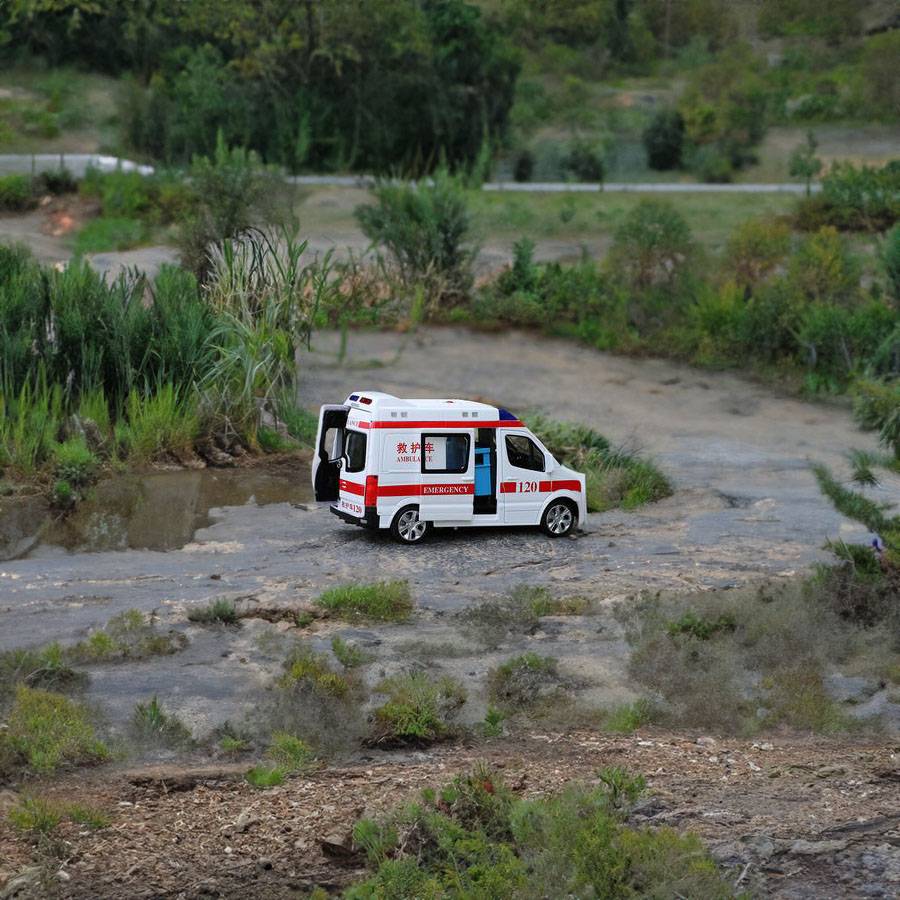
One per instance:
(161,511)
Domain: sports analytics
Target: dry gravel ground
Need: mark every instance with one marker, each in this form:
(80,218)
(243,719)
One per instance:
(786,818)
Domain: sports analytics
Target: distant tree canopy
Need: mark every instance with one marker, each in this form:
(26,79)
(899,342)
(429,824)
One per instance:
(381,85)
(620,31)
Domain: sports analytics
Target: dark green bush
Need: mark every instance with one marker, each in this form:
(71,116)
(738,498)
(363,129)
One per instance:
(663,140)
(16,193)
(584,161)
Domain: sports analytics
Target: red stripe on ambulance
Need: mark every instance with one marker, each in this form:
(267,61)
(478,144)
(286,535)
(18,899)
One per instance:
(410,490)
(455,423)
(543,487)
(424,490)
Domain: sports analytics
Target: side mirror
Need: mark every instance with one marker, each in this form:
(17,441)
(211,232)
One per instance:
(549,463)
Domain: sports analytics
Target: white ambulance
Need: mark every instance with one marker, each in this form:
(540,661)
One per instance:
(410,465)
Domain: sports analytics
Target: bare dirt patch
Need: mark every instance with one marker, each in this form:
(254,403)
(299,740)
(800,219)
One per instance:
(798,818)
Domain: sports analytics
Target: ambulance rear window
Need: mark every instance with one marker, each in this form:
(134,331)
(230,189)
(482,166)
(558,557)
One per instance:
(355,451)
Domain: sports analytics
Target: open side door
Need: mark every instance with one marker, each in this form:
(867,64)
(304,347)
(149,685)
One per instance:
(326,462)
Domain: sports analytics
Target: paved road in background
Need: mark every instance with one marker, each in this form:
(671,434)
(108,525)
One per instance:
(78,163)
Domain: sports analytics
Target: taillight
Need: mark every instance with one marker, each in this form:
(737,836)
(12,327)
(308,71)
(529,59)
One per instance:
(371,496)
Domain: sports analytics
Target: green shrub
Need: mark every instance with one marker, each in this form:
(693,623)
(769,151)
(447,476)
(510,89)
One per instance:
(321,706)
(584,161)
(300,423)
(46,730)
(163,422)
(755,249)
(290,754)
(698,627)
(854,198)
(876,406)
(304,666)
(651,258)
(473,838)
(492,726)
(879,70)
(628,718)
(16,193)
(74,462)
(232,192)
(663,140)
(272,441)
(381,601)
(426,229)
(221,611)
(418,711)
(151,725)
(523,680)
(263,777)
(890,255)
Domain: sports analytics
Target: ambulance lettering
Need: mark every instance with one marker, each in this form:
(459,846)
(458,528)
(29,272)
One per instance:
(447,489)
(409,452)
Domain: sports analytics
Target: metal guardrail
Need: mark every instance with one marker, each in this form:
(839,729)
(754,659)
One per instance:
(79,163)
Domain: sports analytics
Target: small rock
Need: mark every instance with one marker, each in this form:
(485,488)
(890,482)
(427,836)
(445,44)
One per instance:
(245,820)
(830,771)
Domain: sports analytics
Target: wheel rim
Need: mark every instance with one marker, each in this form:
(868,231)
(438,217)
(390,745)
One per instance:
(410,527)
(559,519)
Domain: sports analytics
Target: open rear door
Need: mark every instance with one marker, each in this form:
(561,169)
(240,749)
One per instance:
(329,447)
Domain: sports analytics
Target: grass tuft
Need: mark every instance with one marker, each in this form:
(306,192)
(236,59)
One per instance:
(46,731)
(264,777)
(419,709)
(222,611)
(381,601)
(151,725)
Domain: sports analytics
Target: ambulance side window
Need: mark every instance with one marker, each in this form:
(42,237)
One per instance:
(523,453)
(355,450)
(447,453)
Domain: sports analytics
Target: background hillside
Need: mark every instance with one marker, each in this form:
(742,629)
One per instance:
(714,90)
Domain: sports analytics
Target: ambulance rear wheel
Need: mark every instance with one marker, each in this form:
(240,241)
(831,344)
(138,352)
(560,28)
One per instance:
(408,528)
(559,518)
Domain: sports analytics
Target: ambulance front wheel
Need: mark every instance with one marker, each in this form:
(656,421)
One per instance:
(408,528)
(559,518)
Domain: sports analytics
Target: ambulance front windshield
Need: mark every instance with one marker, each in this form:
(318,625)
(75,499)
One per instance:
(355,450)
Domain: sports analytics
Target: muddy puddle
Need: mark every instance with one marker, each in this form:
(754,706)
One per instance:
(157,511)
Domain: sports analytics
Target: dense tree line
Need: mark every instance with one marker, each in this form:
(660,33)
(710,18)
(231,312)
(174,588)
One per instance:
(381,85)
